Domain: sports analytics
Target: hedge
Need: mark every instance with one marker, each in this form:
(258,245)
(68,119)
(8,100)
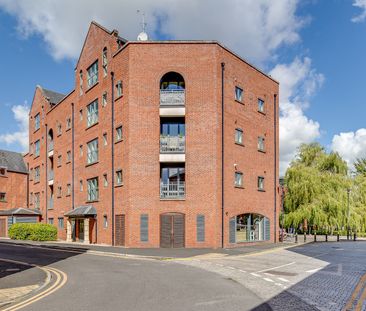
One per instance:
(33,231)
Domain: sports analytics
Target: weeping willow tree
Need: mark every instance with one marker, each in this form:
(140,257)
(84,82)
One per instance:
(316,196)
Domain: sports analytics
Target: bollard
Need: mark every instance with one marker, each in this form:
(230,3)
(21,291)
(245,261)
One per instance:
(354,237)
(314,236)
(295,237)
(304,237)
(337,237)
(326,237)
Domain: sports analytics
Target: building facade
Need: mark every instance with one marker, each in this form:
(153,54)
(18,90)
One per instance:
(13,191)
(160,144)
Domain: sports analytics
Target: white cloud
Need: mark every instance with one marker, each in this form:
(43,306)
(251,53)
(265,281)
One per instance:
(298,82)
(350,145)
(254,29)
(20,136)
(362,5)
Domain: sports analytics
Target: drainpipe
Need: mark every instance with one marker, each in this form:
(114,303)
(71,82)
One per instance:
(73,156)
(28,185)
(112,149)
(222,156)
(46,191)
(275,166)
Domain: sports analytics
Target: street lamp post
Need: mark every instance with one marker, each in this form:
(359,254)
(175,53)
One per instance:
(348,214)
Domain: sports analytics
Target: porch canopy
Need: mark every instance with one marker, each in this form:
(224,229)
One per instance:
(20,211)
(82,211)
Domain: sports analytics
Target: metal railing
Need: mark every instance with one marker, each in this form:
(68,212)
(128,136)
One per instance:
(50,145)
(172,190)
(172,97)
(172,144)
(50,175)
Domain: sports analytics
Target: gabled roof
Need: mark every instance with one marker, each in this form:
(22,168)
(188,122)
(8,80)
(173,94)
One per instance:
(13,161)
(83,210)
(52,97)
(20,211)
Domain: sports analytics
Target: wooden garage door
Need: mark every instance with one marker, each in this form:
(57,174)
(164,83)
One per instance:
(120,229)
(172,230)
(2,228)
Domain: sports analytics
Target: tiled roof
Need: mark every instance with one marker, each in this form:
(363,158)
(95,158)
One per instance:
(83,210)
(53,97)
(13,161)
(20,211)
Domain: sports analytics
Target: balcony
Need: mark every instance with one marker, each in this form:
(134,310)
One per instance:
(172,144)
(172,98)
(172,190)
(50,203)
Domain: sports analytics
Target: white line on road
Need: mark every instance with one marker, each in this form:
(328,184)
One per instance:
(242,271)
(313,270)
(268,280)
(274,268)
(255,274)
(284,280)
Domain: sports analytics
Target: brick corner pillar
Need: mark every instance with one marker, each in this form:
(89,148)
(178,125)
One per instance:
(68,231)
(86,231)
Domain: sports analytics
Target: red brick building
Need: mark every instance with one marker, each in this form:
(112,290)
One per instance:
(13,191)
(140,154)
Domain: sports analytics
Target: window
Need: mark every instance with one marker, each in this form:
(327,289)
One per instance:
(81,150)
(59,191)
(30,174)
(81,185)
(93,190)
(105,180)
(238,94)
(105,221)
(50,221)
(200,228)
(260,105)
(37,122)
(59,160)
(119,88)
(61,222)
(37,200)
(92,151)
(81,114)
(260,183)
(239,136)
(105,62)
(37,173)
(68,155)
(249,228)
(2,197)
(92,112)
(2,171)
(261,143)
(81,82)
(37,146)
(68,123)
(119,133)
(119,177)
(68,189)
(238,179)
(104,99)
(105,139)
(144,228)
(92,74)
(59,129)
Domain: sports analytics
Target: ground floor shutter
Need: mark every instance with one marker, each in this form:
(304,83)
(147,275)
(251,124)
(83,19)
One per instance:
(232,230)
(267,229)
(2,227)
(120,225)
(144,228)
(200,228)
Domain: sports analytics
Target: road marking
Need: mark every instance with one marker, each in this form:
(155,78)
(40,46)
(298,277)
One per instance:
(242,271)
(274,268)
(284,280)
(356,292)
(268,280)
(255,274)
(313,270)
(231,268)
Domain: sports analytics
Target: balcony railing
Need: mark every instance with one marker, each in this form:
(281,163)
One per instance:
(50,145)
(50,175)
(172,144)
(50,203)
(172,190)
(172,98)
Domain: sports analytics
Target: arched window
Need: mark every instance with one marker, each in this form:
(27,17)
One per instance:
(81,82)
(105,62)
(172,81)
(249,228)
(50,140)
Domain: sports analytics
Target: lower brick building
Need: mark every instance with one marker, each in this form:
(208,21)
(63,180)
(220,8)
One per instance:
(160,144)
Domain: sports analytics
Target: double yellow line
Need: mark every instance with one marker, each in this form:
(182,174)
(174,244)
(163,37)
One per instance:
(60,280)
(358,292)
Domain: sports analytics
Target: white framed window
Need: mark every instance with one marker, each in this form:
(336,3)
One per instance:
(68,189)
(81,82)
(260,105)
(238,179)
(119,133)
(37,146)
(119,88)
(37,121)
(239,136)
(93,190)
(2,197)
(81,150)
(68,123)
(260,183)
(119,177)
(104,99)
(61,222)
(238,94)
(68,155)
(105,62)
(50,221)
(37,173)
(81,114)
(59,129)
(37,200)
(92,112)
(105,221)
(261,143)
(59,160)
(81,185)
(92,73)
(105,180)
(92,151)
(59,191)
(105,141)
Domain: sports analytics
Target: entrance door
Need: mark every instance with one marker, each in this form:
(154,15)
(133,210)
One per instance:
(79,223)
(120,230)
(172,230)
(2,228)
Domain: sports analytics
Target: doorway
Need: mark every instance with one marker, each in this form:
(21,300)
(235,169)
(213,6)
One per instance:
(172,230)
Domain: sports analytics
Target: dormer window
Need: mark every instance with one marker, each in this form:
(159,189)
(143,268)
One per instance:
(2,171)
(105,62)
(93,74)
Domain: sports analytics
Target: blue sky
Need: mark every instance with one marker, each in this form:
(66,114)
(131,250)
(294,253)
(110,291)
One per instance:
(314,48)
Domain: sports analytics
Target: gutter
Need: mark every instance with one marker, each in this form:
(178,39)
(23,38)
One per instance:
(275,167)
(73,156)
(112,150)
(46,191)
(222,155)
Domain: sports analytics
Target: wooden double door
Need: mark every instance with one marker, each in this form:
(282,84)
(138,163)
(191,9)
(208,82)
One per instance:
(172,230)
(120,221)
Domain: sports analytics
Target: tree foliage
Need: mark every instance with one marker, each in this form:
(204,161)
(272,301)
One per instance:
(317,185)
